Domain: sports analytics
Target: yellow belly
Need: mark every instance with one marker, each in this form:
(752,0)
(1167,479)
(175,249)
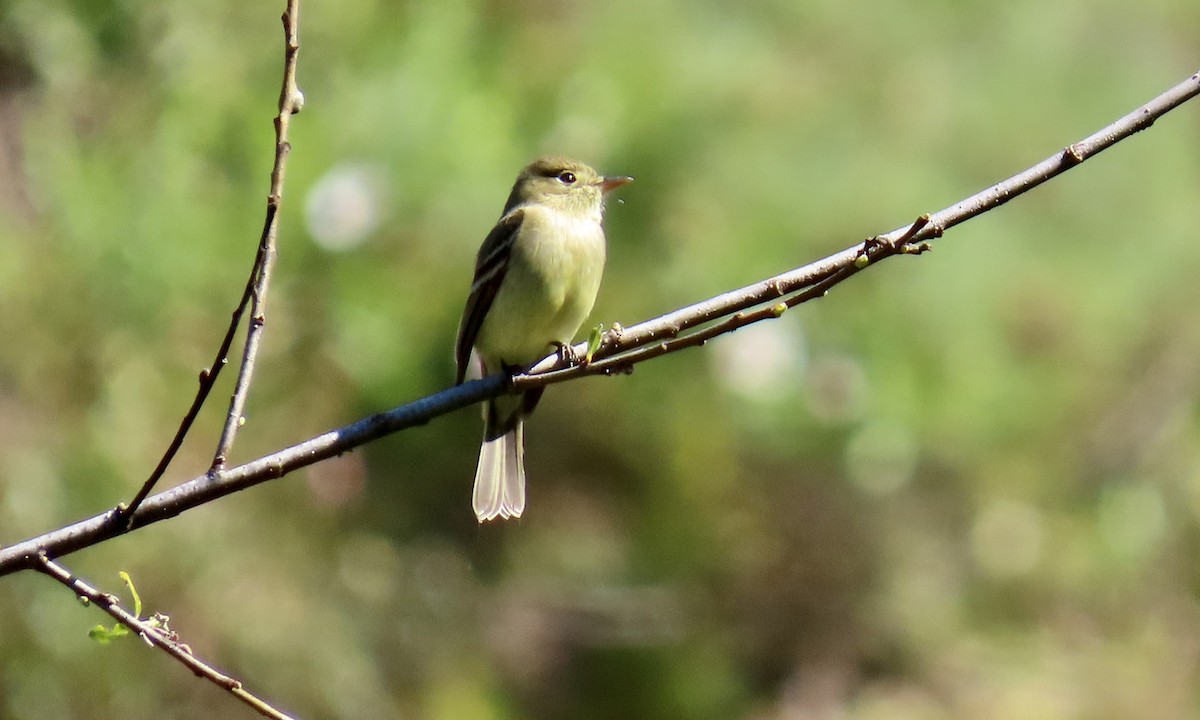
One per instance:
(548,289)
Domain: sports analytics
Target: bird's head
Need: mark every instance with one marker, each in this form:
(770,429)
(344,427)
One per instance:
(563,184)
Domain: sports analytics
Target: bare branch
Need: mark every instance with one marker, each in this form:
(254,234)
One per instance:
(156,634)
(208,487)
(208,378)
(621,350)
(290,102)
(905,240)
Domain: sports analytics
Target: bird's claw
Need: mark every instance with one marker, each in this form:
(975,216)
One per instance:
(566,353)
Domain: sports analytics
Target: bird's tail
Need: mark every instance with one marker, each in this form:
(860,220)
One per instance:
(500,477)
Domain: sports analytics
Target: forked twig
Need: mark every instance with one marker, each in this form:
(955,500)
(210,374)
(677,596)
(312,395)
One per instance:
(254,295)
(909,239)
(156,635)
(291,100)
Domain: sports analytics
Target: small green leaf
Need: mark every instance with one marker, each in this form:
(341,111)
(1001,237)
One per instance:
(105,635)
(595,340)
(137,601)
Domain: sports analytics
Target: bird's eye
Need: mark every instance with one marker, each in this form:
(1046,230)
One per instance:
(566,177)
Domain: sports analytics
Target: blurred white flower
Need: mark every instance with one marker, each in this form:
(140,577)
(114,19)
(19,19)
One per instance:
(345,206)
(763,362)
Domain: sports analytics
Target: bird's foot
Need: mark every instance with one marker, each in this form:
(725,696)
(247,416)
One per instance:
(567,355)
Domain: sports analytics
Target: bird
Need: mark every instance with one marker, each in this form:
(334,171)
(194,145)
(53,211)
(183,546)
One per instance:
(537,274)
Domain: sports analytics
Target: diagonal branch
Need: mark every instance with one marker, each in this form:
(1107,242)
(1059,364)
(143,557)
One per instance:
(156,635)
(207,487)
(898,241)
(290,102)
(620,351)
(208,378)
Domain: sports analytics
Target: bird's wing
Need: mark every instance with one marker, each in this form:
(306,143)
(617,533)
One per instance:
(490,267)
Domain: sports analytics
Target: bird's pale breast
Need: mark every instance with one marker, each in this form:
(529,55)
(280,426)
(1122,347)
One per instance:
(549,288)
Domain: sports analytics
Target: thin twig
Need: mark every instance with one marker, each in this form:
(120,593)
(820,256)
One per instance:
(208,378)
(291,100)
(898,241)
(256,284)
(622,349)
(156,635)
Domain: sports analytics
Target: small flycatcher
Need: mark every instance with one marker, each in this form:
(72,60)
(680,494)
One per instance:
(536,278)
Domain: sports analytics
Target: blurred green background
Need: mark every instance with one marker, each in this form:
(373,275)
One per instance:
(965,485)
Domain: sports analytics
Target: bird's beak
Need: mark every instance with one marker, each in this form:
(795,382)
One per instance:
(609,184)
